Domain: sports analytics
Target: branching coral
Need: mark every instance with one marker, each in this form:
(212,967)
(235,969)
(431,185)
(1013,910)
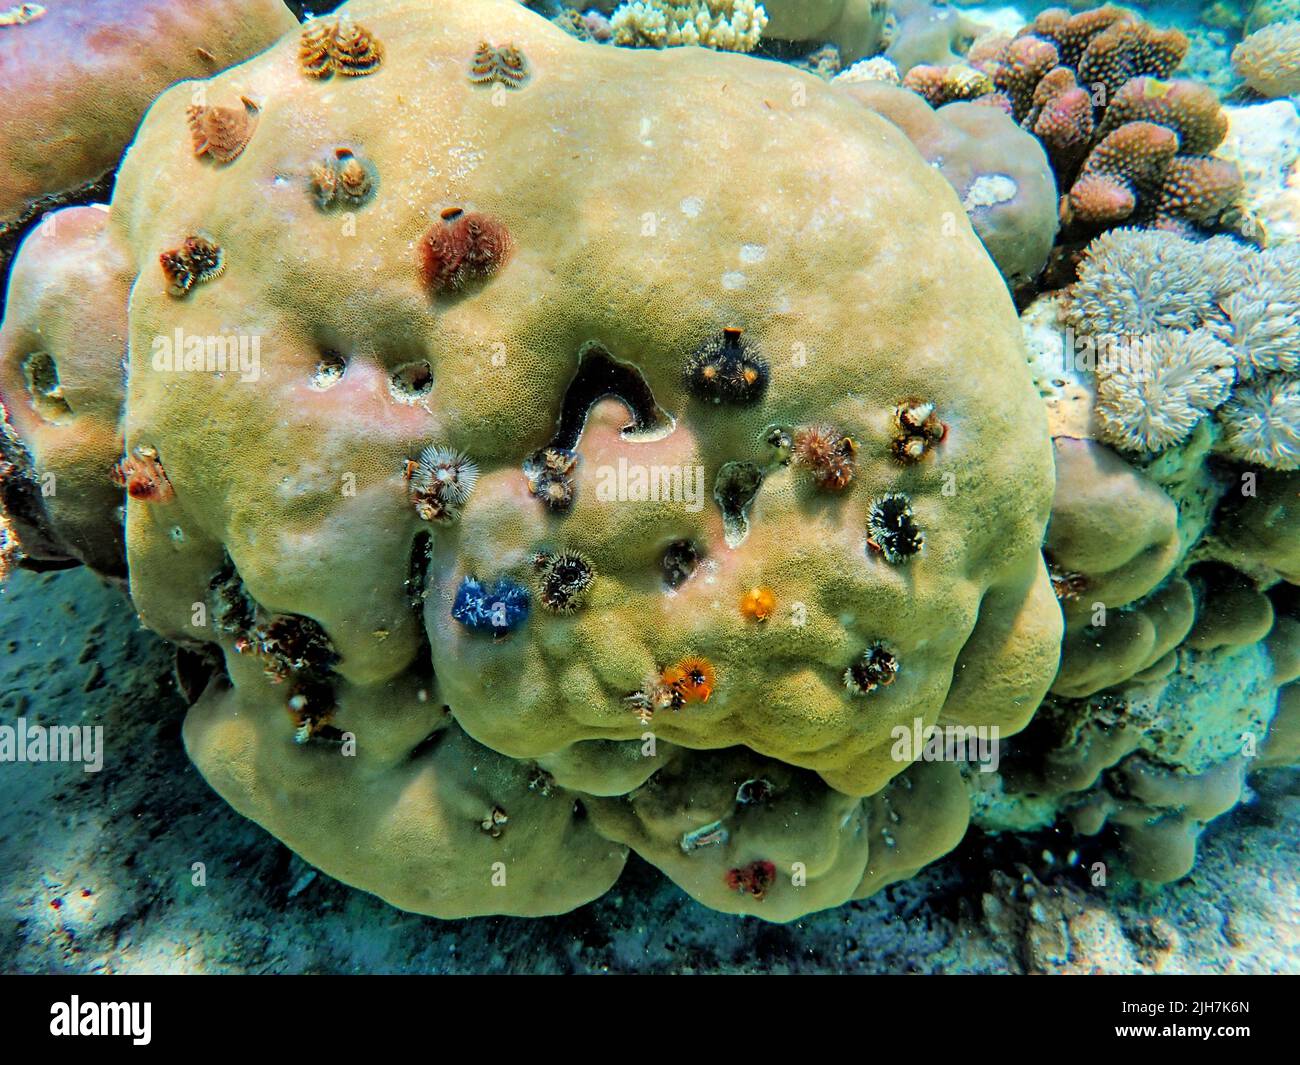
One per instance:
(727,25)
(1126,144)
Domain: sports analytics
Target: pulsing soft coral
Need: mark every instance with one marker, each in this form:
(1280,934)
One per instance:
(689,681)
(440,483)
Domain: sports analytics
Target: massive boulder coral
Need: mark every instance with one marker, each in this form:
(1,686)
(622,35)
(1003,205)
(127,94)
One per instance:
(458,651)
(76,80)
(62,384)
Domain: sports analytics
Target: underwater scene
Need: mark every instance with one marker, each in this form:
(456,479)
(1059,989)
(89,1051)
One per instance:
(649,487)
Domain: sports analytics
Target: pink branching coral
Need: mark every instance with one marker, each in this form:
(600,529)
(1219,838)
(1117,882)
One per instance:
(1127,164)
(944,85)
(1126,145)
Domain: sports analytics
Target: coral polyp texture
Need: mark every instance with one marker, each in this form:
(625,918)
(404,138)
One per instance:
(551,518)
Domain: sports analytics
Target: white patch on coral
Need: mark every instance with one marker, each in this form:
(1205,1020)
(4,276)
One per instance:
(732,280)
(989,190)
(692,206)
(1264,141)
(752,253)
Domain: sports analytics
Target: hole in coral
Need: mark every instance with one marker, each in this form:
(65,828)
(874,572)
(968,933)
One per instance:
(601,376)
(329,370)
(412,382)
(680,560)
(43,385)
(418,570)
(734,491)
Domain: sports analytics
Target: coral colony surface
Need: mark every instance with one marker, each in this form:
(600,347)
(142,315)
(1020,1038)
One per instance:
(776,440)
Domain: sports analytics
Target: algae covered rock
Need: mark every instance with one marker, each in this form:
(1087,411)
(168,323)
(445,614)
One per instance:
(508,410)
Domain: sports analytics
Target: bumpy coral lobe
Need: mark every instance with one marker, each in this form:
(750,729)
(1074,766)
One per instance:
(975,624)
